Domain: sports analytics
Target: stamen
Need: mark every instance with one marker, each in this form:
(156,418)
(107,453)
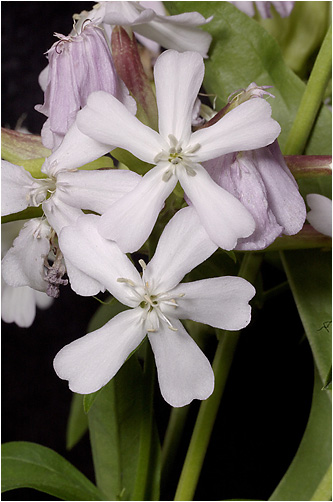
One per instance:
(167,175)
(143,264)
(126,281)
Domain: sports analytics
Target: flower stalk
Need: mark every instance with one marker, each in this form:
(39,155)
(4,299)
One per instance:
(208,409)
(312,99)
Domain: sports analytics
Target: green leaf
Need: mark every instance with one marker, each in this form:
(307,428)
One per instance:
(30,465)
(77,424)
(307,476)
(115,429)
(243,52)
(122,429)
(309,273)
(300,34)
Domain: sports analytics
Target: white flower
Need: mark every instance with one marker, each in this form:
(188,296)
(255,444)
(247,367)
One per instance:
(177,153)
(320,215)
(178,32)
(18,304)
(157,301)
(62,195)
(66,191)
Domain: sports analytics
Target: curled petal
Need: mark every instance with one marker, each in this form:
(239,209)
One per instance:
(23,264)
(184,372)
(90,362)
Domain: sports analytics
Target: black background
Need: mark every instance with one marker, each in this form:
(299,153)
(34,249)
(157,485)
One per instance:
(266,404)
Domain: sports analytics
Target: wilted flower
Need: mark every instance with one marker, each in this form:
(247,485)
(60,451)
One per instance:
(177,153)
(157,301)
(262,182)
(78,65)
(18,304)
(62,195)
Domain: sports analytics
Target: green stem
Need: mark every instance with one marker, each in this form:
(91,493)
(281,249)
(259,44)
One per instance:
(172,439)
(312,98)
(146,428)
(208,409)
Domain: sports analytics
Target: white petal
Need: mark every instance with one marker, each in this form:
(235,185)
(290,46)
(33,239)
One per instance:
(107,120)
(95,190)
(82,283)
(18,305)
(183,245)
(221,302)
(23,264)
(225,219)
(320,216)
(246,127)
(90,362)
(16,187)
(100,259)
(43,301)
(178,78)
(130,220)
(59,214)
(184,372)
(176,36)
(9,232)
(75,150)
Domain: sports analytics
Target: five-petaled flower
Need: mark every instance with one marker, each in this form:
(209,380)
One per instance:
(177,153)
(157,303)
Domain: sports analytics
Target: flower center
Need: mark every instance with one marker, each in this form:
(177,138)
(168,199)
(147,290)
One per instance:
(46,188)
(152,304)
(177,155)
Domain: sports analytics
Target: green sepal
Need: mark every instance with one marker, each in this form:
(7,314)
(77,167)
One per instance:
(30,465)
(17,146)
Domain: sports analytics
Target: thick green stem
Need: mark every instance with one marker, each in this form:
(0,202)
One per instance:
(312,99)
(208,409)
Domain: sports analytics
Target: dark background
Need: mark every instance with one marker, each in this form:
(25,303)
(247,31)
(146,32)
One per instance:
(266,403)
